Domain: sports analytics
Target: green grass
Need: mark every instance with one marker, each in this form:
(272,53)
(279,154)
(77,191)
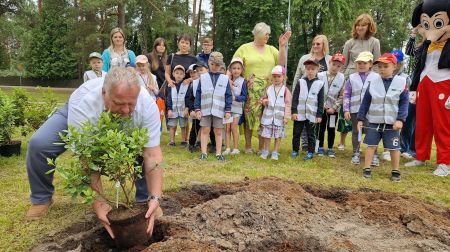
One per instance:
(184,168)
(36,94)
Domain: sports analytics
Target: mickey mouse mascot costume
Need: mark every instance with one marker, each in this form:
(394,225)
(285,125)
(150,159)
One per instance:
(431,83)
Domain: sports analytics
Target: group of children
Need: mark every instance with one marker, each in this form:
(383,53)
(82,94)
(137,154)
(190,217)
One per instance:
(375,103)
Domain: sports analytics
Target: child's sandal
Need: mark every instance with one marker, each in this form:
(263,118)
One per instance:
(367,173)
(395,176)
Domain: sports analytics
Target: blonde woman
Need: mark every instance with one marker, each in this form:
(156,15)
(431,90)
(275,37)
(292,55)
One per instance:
(116,55)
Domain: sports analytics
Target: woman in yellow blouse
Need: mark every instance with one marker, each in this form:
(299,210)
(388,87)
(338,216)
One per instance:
(259,59)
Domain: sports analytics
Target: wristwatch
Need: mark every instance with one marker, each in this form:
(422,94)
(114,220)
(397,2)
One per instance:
(154,197)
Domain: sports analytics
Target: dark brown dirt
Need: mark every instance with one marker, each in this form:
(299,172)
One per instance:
(274,215)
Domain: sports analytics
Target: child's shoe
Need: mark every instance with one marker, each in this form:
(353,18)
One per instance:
(442,171)
(415,163)
(387,156)
(264,154)
(171,144)
(203,156)
(275,155)
(341,147)
(184,143)
(220,158)
(226,152)
(308,156)
(235,152)
(294,154)
(367,173)
(407,155)
(395,176)
(249,151)
(375,160)
(320,152)
(331,153)
(355,158)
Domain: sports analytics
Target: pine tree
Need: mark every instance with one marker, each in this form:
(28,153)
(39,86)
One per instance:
(51,55)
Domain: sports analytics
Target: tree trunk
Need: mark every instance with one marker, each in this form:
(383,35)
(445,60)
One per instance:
(39,7)
(198,27)
(194,7)
(213,19)
(121,16)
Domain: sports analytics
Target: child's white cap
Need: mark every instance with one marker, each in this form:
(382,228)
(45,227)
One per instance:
(279,70)
(178,67)
(364,56)
(95,55)
(238,60)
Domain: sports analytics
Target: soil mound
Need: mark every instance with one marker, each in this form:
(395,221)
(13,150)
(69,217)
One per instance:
(275,215)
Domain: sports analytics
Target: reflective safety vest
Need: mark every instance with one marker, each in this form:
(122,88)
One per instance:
(384,105)
(359,89)
(92,75)
(178,103)
(237,107)
(308,100)
(331,90)
(274,112)
(213,98)
(195,86)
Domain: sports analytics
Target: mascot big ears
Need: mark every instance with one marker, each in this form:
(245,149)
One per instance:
(431,79)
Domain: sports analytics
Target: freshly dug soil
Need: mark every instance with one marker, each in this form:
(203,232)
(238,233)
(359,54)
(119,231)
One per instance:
(275,215)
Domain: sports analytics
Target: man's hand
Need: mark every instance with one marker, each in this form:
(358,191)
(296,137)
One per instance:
(360,125)
(193,115)
(227,115)
(150,215)
(170,83)
(331,111)
(101,209)
(199,115)
(186,113)
(318,119)
(295,117)
(347,116)
(398,125)
(169,113)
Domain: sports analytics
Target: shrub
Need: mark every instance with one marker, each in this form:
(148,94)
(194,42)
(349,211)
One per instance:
(20,98)
(109,148)
(7,119)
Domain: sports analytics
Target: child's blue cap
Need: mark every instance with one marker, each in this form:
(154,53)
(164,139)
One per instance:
(399,55)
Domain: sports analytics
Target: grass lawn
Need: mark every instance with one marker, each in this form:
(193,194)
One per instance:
(184,168)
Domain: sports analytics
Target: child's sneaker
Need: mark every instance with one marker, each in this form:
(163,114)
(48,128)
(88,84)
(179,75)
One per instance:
(395,176)
(235,152)
(226,152)
(442,171)
(415,163)
(308,156)
(341,147)
(203,156)
(375,160)
(275,155)
(294,154)
(355,158)
(220,158)
(264,154)
(387,156)
(320,152)
(249,151)
(367,173)
(184,143)
(331,153)
(171,144)
(407,155)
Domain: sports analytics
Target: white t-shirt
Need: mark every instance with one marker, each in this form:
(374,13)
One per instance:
(86,104)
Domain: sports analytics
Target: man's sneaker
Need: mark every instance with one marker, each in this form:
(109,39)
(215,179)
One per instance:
(407,155)
(442,170)
(203,156)
(226,152)
(331,153)
(320,152)
(386,156)
(184,143)
(235,152)
(355,158)
(264,154)
(375,160)
(395,176)
(341,147)
(308,156)
(220,158)
(415,163)
(171,144)
(367,173)
(275,155)
(294,154)
(38,211)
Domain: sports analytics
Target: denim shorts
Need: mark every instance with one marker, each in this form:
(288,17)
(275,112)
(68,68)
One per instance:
(375,132)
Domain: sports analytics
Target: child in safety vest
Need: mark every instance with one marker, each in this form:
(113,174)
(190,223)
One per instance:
(96,63)
(307,108)
(213,101)
(175,104)
(277,111)
(239,89)
(385,107)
